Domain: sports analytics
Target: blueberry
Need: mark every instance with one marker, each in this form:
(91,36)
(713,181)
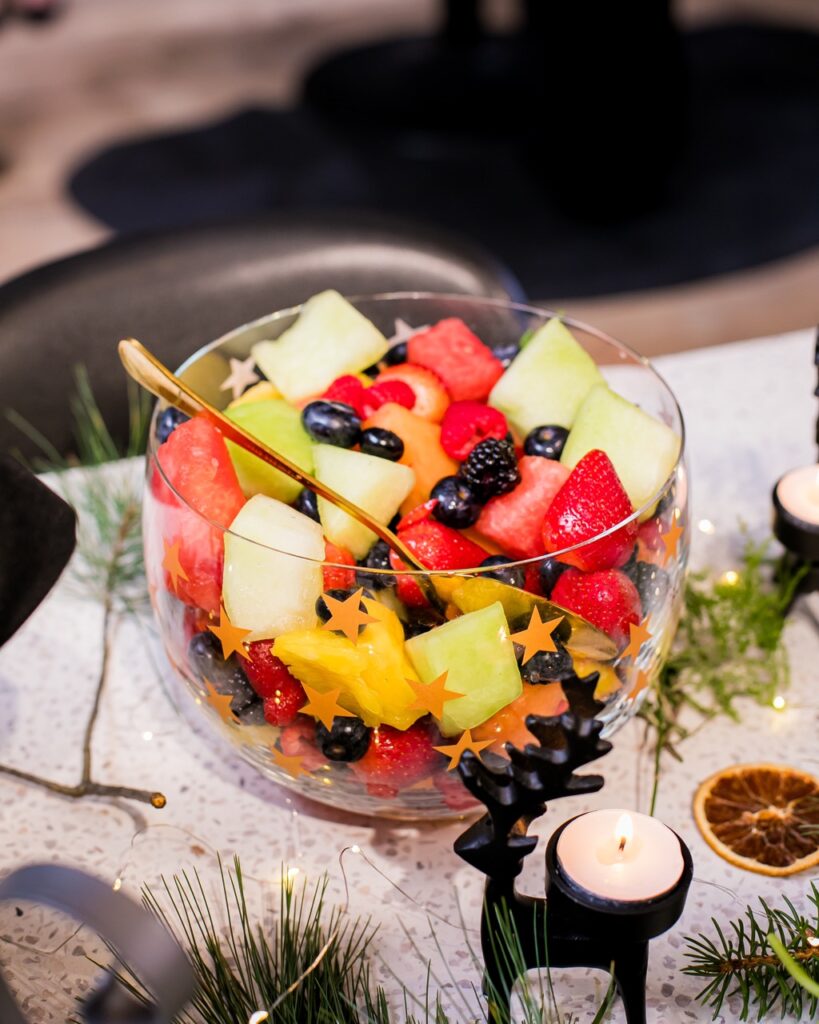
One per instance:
(348,740)
(396,354)
(512,575)
(382,443)
(457,505)
(323,611)
(378,557)
(547,442)
(227,677)
(332,423)
(372,371)
(307,503)
(506,352)
(550,572)
(393,523)
(415,627)
(651,581)
(547,666)
(167,422)
(253,714)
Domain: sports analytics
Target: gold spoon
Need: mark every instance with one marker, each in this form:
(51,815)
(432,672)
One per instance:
(155,377)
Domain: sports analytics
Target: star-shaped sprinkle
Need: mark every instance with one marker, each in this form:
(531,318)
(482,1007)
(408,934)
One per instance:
(172,565)
(324,706)
(220,702)
(670,539)
(241,376)
(454,751)
(346,616)
(537,636)
(431,697)
(403,331)
(639,635)
(291,764)
(229,636)
(643,680)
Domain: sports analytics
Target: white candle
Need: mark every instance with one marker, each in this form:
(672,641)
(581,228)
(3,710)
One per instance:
(620,855)
(798,493)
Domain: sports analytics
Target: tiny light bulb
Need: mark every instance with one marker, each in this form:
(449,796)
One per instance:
(778,702)
(623,831)
(810,935)
(258,1017)
(355,849)
(729,578)
(117,885)
(706,526)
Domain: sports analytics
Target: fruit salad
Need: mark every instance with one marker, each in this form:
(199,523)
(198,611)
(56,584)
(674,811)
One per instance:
(546,508)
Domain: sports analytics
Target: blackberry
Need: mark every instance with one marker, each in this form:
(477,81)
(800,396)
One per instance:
(547,666)
(384,444)
(253,714)
(396,354)
(307,503)
(167,423)
(491,468)
(332,423)
(348,740)
(651,581)
(226,677)
(550,572)
(512,575)
(378,557)
(457,503)
(547,442)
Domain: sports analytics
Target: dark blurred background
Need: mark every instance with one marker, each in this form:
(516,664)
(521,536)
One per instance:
(652,169)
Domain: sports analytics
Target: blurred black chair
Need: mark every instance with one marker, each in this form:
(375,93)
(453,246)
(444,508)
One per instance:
(176,291)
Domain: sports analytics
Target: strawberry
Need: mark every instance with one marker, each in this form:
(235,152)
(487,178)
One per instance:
(462,361)
(281,692)
(431,397)
(440,547)
(591,502)
(607,599)
(420,514)
(336,578)
(454,793)
(396,759)
(465,424)
(515,520)
(406,587)
(299,740)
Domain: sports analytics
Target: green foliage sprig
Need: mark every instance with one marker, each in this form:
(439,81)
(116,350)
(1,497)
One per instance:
(729,648)
(746,960)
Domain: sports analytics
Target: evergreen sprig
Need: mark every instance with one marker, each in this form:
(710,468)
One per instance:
(729,648)
(745,960)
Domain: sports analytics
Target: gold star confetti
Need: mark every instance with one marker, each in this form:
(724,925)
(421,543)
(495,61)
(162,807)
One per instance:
(671,539)
(291,764)
(324,706)
(454,751)
(643,680)
(241,376)
(431,697)
(639,635)
(537,636)
(229,636)
(220,702)
(171,563)
(346,616)
(403,331)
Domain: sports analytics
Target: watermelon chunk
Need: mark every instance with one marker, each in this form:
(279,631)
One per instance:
(196,462)
(467,367)
(515,520)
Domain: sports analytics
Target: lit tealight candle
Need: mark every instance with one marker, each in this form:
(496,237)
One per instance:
(620,855)
(796,512)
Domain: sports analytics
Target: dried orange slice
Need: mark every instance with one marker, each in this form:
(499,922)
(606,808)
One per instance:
(762,817)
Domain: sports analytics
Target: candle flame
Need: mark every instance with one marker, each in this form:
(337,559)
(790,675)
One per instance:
(623,831)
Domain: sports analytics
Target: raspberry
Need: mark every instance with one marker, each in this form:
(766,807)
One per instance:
(350,391)
(465,424)
(491,468)
(431,397)
(384,391)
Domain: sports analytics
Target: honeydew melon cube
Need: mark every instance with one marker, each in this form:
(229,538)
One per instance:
(330,338)
(546,381)
(376,485)
(642,450)
(477,654)
(272,575)
(277,424)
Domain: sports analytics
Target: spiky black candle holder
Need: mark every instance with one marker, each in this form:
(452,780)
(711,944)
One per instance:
(570,927)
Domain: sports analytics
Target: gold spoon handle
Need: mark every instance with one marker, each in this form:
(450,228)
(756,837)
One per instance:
(155,377)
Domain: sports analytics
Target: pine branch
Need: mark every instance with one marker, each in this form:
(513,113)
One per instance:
(745,961)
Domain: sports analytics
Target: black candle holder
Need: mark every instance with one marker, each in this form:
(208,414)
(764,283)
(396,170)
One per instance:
(570,927)
(801,543)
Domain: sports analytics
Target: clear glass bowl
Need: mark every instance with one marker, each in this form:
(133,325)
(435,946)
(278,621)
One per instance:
(409,779)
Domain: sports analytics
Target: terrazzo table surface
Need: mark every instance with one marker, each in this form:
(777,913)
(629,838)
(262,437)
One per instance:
(749,412)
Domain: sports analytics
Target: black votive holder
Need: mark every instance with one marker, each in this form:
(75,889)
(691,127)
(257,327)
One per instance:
(801,543)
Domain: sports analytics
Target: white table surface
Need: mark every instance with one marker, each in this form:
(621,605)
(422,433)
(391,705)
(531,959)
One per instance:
(750,416)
